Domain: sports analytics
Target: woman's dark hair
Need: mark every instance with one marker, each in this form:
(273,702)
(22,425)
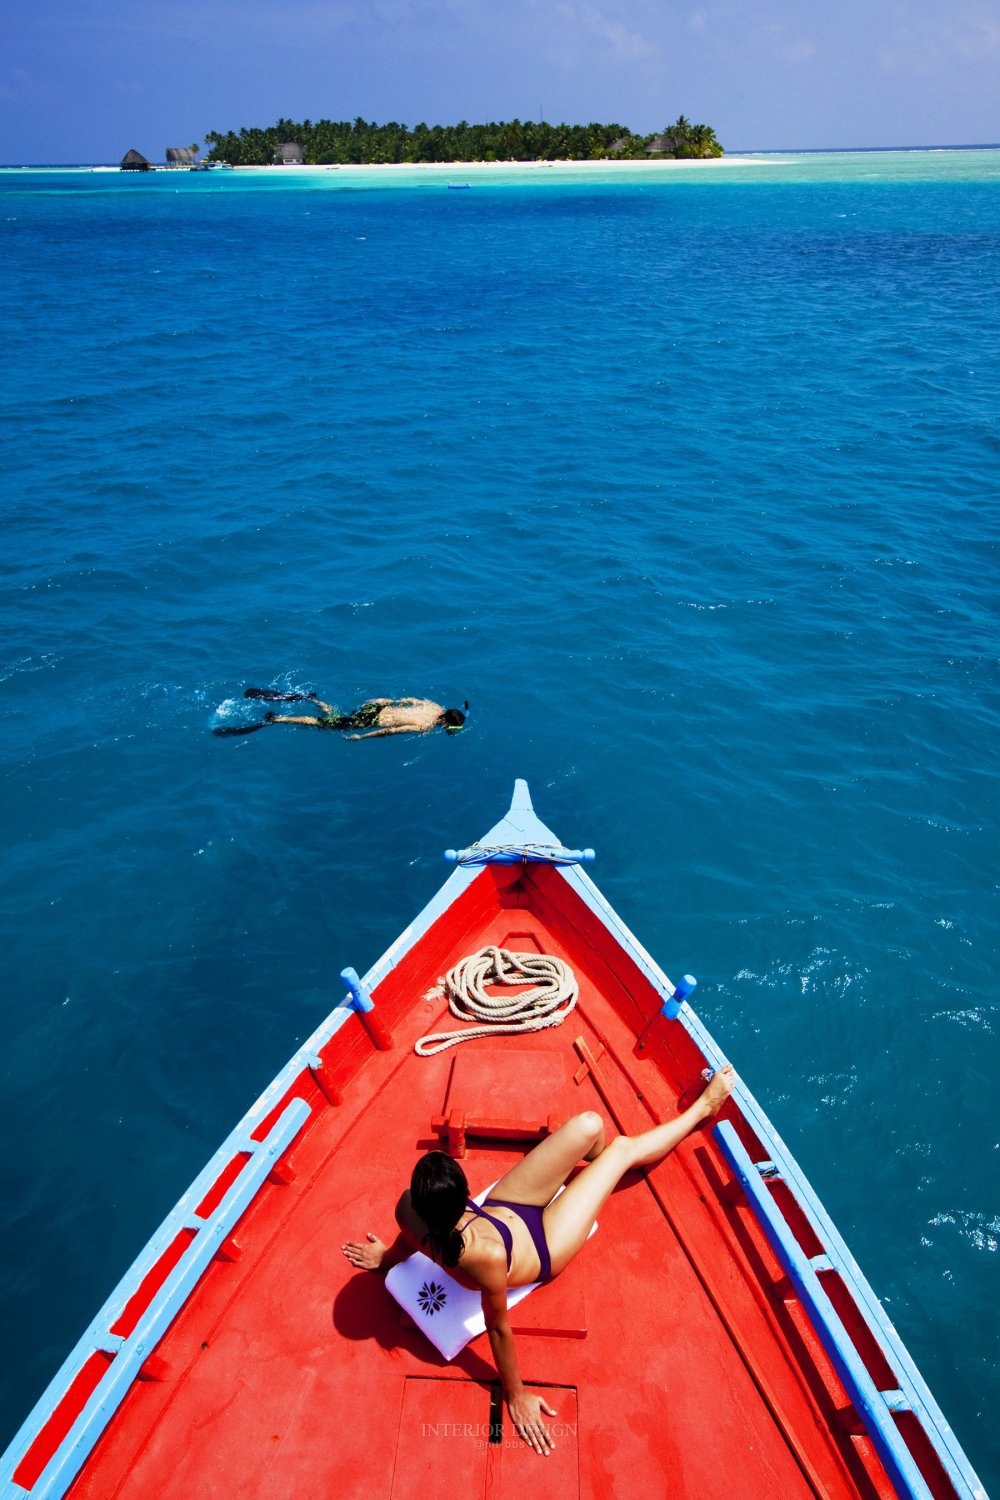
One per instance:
(439,1193)
(453,718)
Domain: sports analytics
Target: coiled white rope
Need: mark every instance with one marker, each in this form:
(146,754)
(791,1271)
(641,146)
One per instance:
(554,995)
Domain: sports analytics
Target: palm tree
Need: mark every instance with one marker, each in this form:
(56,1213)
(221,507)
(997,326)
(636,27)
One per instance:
(689,140)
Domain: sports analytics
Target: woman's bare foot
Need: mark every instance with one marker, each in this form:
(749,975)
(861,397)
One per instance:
(718,1090)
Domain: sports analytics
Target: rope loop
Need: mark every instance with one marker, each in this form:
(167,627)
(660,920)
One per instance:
(553,995)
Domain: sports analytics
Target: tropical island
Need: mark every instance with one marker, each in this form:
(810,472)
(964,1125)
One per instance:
(364,143)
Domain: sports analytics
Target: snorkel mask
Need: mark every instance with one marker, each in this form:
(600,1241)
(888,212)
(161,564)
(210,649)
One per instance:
(452,728)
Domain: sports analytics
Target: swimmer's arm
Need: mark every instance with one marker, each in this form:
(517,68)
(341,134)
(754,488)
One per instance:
(374,734)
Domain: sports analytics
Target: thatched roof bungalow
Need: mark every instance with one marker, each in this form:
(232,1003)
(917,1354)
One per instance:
(621,144)
(289,155)
(134,161)
(661,145)
(181,156)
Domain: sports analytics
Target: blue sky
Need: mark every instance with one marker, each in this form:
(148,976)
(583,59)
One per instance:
(83,80)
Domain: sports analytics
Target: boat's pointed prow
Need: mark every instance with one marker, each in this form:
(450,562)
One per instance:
(519,838)
(520,825)
(521,800)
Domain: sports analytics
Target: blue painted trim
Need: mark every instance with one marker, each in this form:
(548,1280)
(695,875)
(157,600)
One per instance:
(359,996)
(182,1215)
(918,1396)
(868,1401)
(684,987)
(133,1351)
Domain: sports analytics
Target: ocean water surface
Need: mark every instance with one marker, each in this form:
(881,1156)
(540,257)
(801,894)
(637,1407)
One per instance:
(688,484)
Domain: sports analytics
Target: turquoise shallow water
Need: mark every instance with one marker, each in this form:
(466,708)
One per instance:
(690,486)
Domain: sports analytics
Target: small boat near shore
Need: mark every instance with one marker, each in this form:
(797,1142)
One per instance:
(714,1337)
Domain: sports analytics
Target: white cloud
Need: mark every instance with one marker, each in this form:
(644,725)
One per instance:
(626,45)
(787,45)
(919,44)
(18,86)
(799,51)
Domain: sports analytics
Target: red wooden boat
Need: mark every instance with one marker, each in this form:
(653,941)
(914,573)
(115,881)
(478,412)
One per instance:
(715,1336)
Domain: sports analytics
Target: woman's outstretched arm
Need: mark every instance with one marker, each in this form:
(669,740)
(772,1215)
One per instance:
(524,1406)
(372,1254)
(375,1255)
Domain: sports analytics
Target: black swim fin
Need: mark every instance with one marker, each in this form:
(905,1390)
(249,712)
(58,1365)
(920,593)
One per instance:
(268,695)
(225,733)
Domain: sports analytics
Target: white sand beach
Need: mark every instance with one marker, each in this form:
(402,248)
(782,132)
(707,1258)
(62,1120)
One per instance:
(652,167)
(456,172)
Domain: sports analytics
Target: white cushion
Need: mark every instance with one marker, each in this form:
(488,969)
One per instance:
(450,1315)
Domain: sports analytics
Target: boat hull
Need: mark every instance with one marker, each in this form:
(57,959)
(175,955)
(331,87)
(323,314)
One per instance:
(242,1356)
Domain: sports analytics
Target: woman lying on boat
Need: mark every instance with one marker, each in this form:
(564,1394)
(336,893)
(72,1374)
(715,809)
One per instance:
(530,1234)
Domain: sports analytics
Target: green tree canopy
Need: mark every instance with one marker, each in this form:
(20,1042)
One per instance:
(363,142)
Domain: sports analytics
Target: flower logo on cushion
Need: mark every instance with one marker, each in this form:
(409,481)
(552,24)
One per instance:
(432,1297)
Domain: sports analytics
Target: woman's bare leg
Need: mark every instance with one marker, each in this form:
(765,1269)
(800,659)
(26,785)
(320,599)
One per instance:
(569,1220)
(292,719)
(543,1171)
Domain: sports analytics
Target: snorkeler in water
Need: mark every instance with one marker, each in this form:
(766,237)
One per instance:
(375,717)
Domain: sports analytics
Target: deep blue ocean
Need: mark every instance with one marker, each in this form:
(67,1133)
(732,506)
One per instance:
(689,485)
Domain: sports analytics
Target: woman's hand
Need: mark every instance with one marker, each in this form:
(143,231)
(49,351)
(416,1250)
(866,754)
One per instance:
(526,1414)
(365,1257)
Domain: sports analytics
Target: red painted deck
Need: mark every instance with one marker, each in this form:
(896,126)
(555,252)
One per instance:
(289,1375)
